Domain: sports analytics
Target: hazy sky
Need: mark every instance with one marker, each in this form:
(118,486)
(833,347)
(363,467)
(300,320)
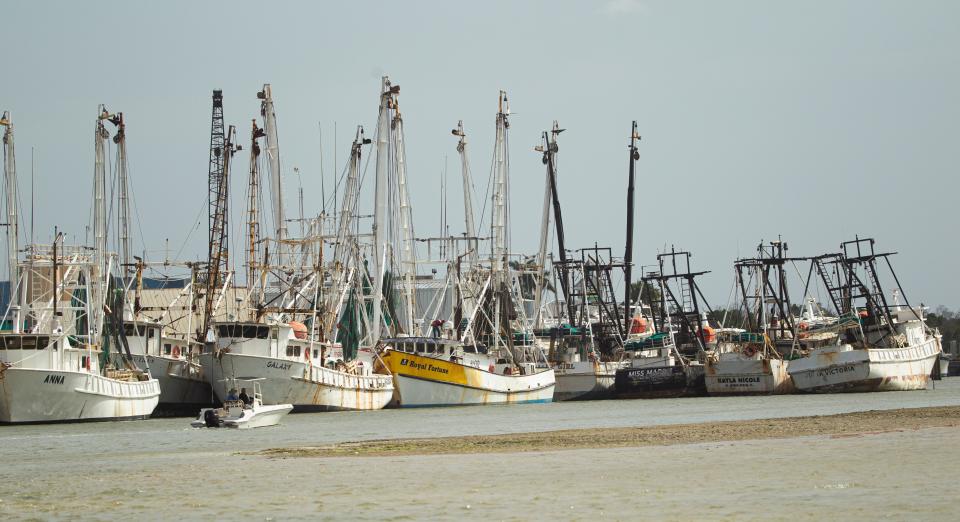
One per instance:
(812,120)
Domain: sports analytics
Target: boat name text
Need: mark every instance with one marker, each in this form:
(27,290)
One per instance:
(835,370)
(54,379)
(423,366)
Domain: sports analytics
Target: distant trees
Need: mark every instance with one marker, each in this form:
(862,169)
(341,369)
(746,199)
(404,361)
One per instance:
(948,322)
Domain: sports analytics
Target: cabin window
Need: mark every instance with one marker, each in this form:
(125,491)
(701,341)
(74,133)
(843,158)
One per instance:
(151,333)
(274,333)
(263,332)
(315,354)
(469,349)
(289,351)
(296,351)
(431,348)
(249,332)
(28,342)
(167,349)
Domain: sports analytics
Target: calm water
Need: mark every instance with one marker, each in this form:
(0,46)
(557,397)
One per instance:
(145,468)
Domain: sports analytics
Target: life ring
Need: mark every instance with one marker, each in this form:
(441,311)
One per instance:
(750,350)
(176,352)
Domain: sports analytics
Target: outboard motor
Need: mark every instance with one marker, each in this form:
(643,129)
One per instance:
(211,418)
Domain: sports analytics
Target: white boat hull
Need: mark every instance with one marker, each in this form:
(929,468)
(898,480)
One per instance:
(306,387)
(748,376)
(843,368)
(181,387)
(419,393)
(262,417)
(40,396)
(424,381)
(584,380)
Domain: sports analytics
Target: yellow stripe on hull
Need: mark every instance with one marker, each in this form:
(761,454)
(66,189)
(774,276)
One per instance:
(435,382)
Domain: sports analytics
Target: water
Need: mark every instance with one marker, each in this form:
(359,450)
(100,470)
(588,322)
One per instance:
(145,468)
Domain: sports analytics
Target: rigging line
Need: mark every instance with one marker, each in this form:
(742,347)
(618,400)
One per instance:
(203,206)
(136,210)
(486,192)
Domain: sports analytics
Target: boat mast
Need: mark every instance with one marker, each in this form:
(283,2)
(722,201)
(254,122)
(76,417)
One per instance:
(344,247)
(380,239)
(467,188)
(500,209)
(550,142)
(99,190)
(221,149)
(123,194)
(408,258)
(273,160)
(253,206)
(10,185)
(628,253)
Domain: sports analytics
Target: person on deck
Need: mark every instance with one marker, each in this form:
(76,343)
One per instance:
(435,325)
(232,395)
(247,400)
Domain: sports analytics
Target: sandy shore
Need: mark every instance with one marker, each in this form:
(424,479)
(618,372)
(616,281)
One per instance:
(848,424)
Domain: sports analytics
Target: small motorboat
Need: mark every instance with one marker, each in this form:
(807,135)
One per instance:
(242,415)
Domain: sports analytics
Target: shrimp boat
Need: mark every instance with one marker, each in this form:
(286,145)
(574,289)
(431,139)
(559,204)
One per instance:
(50,363)
(580,373)
(267,338)
(237,414)
(50,358)
(881,347)
(444,372)
(493,360)
(174,362)
(290,369)
(668,361)
(585,357)
(747,362)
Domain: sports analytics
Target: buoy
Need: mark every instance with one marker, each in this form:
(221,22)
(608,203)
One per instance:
(299,329)
(639,325)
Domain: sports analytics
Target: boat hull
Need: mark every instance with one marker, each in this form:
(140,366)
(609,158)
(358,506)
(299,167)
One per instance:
(264,416)
(839,369)
(46,396)
(585,380)
(183,388)
(306,387)
(656,382)
(425,382)
(748,377)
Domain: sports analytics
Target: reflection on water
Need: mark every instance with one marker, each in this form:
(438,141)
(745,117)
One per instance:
(146,468)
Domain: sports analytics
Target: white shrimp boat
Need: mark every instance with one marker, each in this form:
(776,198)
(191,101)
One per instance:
(859,367)
(173,362)
(747,362)
(882,348)
(747,373)
(237,414)
(585,380)
(291,371)
(440,372)
(46,379)
(50,362)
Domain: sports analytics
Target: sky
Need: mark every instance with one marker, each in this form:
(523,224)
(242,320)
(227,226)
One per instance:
(812,121)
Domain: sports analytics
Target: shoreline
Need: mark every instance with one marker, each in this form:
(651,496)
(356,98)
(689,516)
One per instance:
(838,425)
